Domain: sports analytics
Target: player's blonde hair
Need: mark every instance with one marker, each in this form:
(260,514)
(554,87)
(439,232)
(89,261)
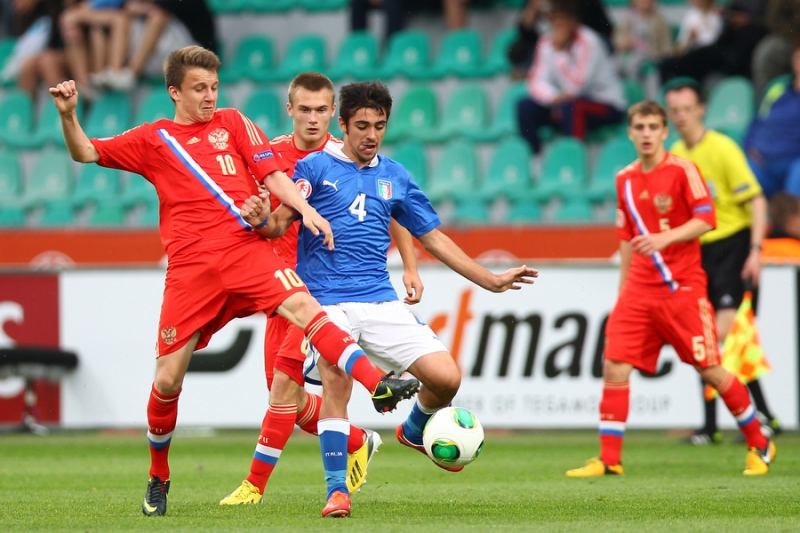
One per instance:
(312,82)
(647,108)
(183,59)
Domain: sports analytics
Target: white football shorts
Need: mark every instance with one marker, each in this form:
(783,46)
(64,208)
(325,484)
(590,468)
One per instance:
(388,332)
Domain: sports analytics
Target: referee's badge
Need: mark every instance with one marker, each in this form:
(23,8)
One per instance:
(385,189)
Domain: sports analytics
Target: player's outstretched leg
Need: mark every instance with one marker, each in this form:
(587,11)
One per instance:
(155,499)
(614,407)
(340,349)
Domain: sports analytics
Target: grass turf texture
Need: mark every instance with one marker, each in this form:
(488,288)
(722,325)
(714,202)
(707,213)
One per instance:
(95,482)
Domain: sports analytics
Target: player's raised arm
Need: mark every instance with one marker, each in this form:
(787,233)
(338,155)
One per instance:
(448,252)
(405,245)
(65,97)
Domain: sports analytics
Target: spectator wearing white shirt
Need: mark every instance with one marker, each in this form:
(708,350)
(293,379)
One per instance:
(573,82)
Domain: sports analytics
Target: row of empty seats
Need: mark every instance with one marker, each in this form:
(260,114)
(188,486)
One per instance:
(409,54)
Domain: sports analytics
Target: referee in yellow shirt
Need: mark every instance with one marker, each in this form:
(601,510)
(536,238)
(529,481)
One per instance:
(731,252)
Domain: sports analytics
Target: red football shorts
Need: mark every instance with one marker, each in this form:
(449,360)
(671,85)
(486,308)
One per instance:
(207,288)
(643,321)
(285,349)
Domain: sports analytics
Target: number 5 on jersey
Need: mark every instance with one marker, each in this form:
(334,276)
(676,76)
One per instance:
(357,207)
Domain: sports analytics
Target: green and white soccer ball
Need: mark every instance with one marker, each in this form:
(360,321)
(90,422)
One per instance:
(453,437)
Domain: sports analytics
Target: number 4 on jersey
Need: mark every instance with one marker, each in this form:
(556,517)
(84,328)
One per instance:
(357,207)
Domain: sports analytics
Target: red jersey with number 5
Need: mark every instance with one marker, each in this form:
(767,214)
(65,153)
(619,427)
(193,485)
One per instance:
(202,172)
(664,198)
(285,147)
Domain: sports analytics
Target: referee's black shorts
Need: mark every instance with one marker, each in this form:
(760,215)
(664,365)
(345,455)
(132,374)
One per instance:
(723,261)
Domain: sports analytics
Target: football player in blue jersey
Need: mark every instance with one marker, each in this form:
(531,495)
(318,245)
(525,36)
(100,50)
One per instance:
(358,192)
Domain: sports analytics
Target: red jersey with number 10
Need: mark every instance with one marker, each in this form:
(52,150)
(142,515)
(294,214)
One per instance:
(202,172)
(664,198)
(284,146)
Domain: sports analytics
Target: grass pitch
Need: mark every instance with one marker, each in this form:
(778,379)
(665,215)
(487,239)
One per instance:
(95,482)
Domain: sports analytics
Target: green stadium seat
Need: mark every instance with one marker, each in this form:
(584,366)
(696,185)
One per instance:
(6,49)
(357,57)
(12,216)
(634,92)
(563,170)
(505,117)
(574,211)
(10,178)
(515,4)
(614,156)
(149,218)
(16,119)
(497,61)
(323,5)
(97,185)
(416,113)
(460,55)
(466,112)
(138,192)
(109,115)
(264,108)
(509,172)
(456,173)
(471,211)
(222,100)
(408,55)
(523,212)
(411,155)
(48,129)
(730,107)
(304,53)
(269,6)
(50,180)
(252,60)
(107,214)
(57,214)
(155,106)
(226,6)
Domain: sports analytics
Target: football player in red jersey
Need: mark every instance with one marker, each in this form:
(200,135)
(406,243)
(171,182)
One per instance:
(202,165)
(663,206)
(311,105)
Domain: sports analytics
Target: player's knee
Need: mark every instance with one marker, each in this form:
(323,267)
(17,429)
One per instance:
(284,390)
(444,385)
(168,382)
(615,371)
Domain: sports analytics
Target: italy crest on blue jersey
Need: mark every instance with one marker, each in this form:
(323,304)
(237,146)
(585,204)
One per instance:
(359,205)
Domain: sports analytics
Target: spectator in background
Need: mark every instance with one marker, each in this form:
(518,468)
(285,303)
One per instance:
(394,9)
(92,63)
(730,53)
(158,14)
(49,65)
(772,57)
(573,82)
(783,243)
(642,36)
(773,141)
(520,53)
(701,26)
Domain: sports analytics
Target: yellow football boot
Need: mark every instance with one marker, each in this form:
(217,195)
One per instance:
(358,461)
(594,468)
(246,493)
(758,461)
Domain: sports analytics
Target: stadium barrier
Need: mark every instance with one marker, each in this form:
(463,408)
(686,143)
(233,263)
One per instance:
(530,358)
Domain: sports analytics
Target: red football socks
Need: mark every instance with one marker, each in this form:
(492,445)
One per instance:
(339,349)
(275,432)
(737,399)
(614,407)
(308,418)
(162,414)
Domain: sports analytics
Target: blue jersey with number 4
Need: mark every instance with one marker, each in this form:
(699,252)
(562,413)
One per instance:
(359,204)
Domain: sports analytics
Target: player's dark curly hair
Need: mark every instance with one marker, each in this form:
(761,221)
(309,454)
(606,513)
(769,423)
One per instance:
(366,94)
(183,59)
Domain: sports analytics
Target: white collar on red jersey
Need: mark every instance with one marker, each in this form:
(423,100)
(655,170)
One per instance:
(335,149)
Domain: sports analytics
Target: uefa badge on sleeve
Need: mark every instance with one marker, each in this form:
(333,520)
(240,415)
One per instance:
(385,189)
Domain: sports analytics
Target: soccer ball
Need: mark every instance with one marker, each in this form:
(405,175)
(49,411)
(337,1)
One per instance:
(453,437)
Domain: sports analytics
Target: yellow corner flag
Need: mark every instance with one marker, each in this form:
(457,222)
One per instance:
(742,353)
